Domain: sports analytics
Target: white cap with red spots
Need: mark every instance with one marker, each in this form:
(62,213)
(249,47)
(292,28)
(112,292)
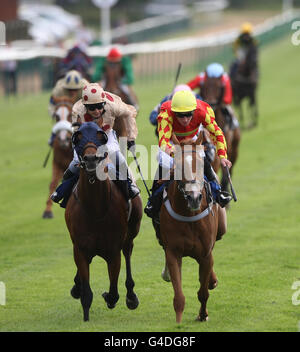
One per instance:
(93,93)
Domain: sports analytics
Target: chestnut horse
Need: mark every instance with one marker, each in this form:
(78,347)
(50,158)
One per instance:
(62,148)
(212,92)
(97,219)
(112,82)
(190,223)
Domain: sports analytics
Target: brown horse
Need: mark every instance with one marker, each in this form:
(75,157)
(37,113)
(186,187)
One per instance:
(97,219)
(62,148)
(113,74)
(244,77)
(111,82)
(212,92)
(190,223)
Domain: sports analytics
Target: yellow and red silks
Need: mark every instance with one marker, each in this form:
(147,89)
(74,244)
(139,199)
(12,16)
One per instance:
(168,124)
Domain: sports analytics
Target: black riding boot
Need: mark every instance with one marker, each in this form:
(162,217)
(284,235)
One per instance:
(65,188)
(133,189)
(155,200)
(128,188)
(150,209)
(221,197)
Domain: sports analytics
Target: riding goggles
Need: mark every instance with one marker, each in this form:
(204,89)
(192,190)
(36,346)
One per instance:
(93,107)
(181,115)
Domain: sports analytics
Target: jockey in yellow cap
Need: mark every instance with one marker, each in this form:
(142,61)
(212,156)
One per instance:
(244,45)
(185,116)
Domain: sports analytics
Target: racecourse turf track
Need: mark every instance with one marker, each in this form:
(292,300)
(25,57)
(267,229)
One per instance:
(256,262)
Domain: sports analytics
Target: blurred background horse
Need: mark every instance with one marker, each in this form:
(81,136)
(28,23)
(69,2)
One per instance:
(212,92)
(112,83)
(244,78)
(62,147)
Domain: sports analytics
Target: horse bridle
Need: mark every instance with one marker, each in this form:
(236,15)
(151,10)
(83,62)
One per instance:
(181,184)
(84,166)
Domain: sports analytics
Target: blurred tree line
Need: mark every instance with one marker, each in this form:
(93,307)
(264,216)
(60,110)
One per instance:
(123,11)
(126,11)
(258,4)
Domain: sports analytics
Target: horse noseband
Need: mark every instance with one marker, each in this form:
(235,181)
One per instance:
(181,185)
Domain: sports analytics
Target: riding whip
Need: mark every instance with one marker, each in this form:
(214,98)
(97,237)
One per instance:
(177,75)
(47,157)
(230,182)
(140,171)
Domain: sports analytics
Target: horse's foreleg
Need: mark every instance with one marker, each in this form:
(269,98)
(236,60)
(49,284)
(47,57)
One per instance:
(254,109)
(56,176)
(174,266)
(112,297)
(222,222)
(132,301)
(241,114)
(235,146)
(205,272)
(86,294)
(134,224)
(75,291)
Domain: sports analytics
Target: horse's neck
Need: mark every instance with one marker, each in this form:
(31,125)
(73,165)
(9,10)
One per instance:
(62,156)
(219,117)
(112,79)
(95,196)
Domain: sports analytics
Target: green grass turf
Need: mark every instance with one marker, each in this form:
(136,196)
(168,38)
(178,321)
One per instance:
(256,262)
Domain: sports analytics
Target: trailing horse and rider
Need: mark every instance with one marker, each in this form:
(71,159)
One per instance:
(244,73)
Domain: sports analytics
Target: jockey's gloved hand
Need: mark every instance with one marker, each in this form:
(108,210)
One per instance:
(131,144)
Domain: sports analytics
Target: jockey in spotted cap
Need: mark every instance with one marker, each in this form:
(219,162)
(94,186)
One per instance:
(103,108)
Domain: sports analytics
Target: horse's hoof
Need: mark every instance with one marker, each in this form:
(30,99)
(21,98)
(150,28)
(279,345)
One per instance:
(75,292)
(165,275)
(86,316)
(213,285)
(132,303)
(202,319)
(47,214)
(109,304)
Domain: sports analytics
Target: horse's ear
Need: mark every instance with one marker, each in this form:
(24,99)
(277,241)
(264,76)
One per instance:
(174,139)
(200,138)
(76,137)
(102,136)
